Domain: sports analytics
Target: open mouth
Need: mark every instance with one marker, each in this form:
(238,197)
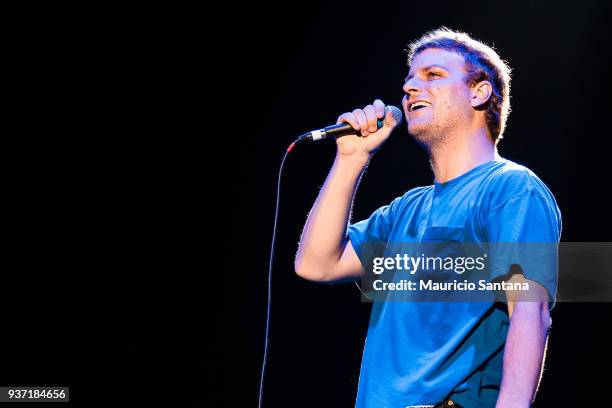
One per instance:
(418,105)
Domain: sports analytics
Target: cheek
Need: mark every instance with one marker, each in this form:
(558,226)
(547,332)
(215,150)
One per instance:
(453,99)
(461,94)
(444,99)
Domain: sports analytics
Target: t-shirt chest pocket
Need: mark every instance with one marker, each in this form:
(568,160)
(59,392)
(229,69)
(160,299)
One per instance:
(442,234)
(441,245)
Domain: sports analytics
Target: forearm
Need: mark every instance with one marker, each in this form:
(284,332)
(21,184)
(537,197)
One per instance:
(524,354)
(324,236)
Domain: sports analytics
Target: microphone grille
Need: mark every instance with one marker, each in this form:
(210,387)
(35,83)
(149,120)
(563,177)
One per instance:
(397,114)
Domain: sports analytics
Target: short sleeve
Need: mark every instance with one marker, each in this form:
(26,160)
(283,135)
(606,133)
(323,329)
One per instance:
(374,230)
(525,231)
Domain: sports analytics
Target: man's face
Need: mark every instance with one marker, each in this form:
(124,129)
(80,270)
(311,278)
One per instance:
(436,78)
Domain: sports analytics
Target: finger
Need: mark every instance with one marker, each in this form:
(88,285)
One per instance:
(379,107)
(363,121)
(371,117)
(389,119)
(349,118)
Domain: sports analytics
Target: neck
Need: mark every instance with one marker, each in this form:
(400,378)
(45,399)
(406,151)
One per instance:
(461,153)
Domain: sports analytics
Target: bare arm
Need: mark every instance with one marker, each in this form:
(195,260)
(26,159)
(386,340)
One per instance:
(324,253)
(525,348)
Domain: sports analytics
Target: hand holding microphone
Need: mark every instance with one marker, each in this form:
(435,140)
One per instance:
(361,131)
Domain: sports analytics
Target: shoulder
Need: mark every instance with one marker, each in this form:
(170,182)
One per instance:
(408,203)
(416,192)
(399,204)
(517,206)
(510,180)
(411,196)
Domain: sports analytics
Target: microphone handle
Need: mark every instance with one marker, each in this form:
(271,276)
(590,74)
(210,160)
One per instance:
(335,131)
(344,129)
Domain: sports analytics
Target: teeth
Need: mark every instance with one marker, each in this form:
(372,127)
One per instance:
(418,105)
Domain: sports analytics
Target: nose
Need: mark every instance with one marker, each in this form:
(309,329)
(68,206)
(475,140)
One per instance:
(412,86)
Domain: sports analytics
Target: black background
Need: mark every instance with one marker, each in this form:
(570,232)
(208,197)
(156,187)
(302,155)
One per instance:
(117,239)
(98,173)
(301,72)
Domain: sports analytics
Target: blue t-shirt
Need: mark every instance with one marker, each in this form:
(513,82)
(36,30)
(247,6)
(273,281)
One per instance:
(422,352)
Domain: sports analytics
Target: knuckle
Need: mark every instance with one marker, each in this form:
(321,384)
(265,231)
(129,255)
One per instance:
(379,109)
(345,117)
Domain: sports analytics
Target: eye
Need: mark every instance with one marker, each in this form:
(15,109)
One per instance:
(432,74)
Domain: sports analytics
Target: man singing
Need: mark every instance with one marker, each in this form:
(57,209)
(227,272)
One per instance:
(466,354)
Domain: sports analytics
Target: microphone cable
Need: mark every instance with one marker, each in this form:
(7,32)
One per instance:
(331,132)
(271,261)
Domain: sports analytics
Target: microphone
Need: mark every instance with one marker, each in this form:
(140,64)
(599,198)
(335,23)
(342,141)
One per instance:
(343,129)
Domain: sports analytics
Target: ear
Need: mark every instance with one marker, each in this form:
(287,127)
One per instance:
(480,93)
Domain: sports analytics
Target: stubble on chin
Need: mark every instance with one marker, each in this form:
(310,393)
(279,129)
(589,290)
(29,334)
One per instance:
(435,133)
(428,136)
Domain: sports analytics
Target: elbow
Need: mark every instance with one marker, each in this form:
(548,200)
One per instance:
(309,272)
(545,317)
(533,314)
